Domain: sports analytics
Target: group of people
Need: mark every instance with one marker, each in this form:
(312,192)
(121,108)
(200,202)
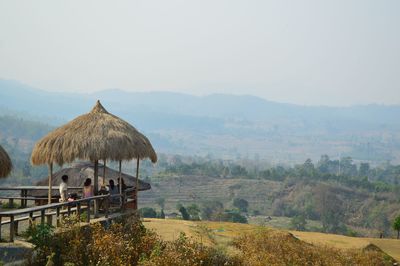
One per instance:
(88,190)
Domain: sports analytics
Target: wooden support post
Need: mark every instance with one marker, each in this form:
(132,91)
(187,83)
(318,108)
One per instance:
(95,208)
(11,203)
(120,181)
(22,198)
(30,219)
(137,185)
(25,192)
(16,227)
(96,177)
(50,182)
(58,222)
(88,213)
(12,228)
(0,227)
(104,172)
(49,219)
(107,205)
(42,215)
(69,210)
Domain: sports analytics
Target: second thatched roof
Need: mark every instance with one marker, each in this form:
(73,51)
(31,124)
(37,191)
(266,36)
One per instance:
(5,163)
(97,135)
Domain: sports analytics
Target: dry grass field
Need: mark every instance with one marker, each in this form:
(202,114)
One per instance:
(221,233)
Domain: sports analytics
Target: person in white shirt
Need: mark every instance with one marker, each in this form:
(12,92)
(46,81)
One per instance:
(63,188)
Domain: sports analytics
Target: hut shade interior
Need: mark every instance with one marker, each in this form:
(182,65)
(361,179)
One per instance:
(5,163)
(96,135)
(78,173)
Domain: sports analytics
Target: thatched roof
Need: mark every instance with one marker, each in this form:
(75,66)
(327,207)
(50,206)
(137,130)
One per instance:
(78,172)
(97,135)
(5,163)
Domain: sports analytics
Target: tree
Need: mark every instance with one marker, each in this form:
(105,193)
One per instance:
(364,169)
(241,204)
(161,202)
(194,211)
(298,222)
(308,168)
(330,209)
(184,213)
(212,210)
(162,214)
(396,226)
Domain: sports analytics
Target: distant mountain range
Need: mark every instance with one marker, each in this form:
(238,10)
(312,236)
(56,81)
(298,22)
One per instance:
(225,125)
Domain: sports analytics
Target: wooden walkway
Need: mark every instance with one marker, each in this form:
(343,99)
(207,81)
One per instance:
(92,208)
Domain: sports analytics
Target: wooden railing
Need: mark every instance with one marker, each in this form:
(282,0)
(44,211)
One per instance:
(44,212)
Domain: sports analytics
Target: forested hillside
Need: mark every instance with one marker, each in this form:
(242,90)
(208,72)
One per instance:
(360,200)
(228,126)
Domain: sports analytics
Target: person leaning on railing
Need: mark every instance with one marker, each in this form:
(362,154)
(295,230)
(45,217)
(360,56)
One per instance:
(63,188)
(87,188)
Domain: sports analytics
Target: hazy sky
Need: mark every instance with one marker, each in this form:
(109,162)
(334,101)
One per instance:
(335,52)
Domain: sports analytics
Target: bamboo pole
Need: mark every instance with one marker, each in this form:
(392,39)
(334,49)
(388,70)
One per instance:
(50,184)
(120,180)
(137,183)
(104,173)
(96,176)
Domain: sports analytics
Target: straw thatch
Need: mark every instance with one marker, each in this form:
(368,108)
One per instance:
(77,174)
(93,136)
(5,163)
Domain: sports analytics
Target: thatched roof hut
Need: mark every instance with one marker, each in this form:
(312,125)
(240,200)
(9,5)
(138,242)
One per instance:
(78,172)
(96,135)
(5,163)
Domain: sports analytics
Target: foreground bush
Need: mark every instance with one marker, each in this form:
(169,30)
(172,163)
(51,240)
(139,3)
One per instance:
(128,242)
(269,247)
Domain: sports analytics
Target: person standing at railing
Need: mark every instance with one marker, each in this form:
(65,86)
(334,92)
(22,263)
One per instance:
(63,188)
(87,188)
(112,190)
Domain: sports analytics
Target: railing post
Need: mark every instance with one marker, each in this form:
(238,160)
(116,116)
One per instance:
(16,228)
(12,228)
(107,205)
(49,218)
(30,219)
(95,208)
(0,226)
(11,203)
(22,198)
(88,212)
(58,216)
(42,214)
(69,210)
(78,210)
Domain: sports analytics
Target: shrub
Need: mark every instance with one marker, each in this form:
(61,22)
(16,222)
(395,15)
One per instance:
(269,247)
(147,212)
(298,223)
(233,216)
(185,251)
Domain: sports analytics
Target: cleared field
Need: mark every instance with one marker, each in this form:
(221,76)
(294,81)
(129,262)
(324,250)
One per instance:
(221,233)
